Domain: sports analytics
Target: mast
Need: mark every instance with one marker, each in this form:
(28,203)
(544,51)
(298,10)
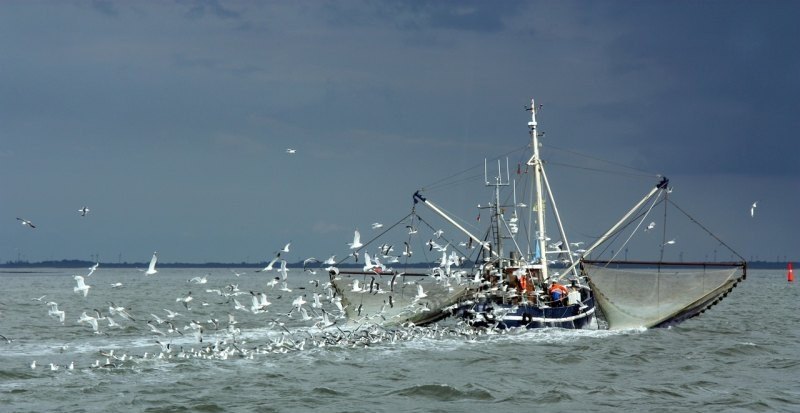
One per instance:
(495,207)
(536,163)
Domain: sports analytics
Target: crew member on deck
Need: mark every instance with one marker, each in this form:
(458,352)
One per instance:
(557,292)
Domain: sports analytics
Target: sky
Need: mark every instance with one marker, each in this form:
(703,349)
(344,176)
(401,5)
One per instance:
(170,120)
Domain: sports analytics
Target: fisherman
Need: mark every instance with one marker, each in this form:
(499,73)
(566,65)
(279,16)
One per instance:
(557,293)
(574,295)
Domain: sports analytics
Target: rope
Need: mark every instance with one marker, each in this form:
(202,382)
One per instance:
(706,230)
(635,230)
(471,168)
(642,172)
(374,238)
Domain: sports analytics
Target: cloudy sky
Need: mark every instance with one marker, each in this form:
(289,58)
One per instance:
(170,120)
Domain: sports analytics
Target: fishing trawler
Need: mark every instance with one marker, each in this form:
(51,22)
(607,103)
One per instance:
(526,279)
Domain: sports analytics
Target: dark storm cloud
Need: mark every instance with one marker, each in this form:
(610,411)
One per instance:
(726,83)
(105,7)
(202,8)
(195,101)
(470,16)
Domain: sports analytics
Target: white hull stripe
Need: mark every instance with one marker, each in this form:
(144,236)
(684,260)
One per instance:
(549,320)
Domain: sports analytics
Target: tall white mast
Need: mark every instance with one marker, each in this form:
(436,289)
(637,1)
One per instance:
(536,163)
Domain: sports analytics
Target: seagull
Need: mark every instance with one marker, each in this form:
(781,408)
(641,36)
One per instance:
(284,270)
(114,309)
(285,247)
(356,244)
(154,329)
(185,300)
(420,292)
(260,303)
(316,303)
(670,242)
(92,269)
(116,285)
(291,151)
(407,250)
(307,262)
(171,314)
(269,266)
(331,260)
(84,211)
(152,268)
(92,321)
(81,285)
(438,233)
(38,298)
(650,226)
(26,222)
(299,301)
(386,249)
(753,209)
(356,288)
(376,225)
(55,312)
(199,280)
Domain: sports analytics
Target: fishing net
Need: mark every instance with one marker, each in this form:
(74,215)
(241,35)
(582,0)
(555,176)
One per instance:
(406,302)
(633,296)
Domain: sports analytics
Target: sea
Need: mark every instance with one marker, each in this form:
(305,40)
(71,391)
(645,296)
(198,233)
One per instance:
(739,356)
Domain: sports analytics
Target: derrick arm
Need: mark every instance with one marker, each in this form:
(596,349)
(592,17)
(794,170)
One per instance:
(662,185)
(419,198)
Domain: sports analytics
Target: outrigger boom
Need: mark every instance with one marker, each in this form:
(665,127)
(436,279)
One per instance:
(434,208)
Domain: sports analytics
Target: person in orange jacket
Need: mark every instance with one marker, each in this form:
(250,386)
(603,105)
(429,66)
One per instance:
(557,292)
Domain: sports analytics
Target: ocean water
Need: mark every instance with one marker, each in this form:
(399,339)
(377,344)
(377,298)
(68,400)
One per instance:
(739,356)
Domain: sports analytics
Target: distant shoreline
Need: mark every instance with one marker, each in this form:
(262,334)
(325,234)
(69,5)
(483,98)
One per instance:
(299,264)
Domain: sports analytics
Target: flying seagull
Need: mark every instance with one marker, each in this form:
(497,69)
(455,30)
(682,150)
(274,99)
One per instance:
(81,286)
(269,266)
(291,151)
(26,222)
(92,269)
(84,211)
(152,268)
(752,209)
(356,244)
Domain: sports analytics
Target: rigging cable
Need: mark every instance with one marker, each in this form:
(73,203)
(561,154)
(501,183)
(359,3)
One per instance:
(706,230)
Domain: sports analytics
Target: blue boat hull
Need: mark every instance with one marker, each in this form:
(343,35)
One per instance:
(489,313)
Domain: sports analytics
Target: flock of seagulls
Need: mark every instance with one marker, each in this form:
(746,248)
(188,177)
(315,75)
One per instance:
(322,307)
(196,332)
(26,222)
(208,324)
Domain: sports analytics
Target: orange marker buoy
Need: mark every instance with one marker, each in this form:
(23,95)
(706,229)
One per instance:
(790,274)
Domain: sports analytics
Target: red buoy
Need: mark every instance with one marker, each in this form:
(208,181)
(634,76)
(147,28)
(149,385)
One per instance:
(790,274)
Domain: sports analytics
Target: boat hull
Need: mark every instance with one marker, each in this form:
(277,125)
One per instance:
(489,313)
